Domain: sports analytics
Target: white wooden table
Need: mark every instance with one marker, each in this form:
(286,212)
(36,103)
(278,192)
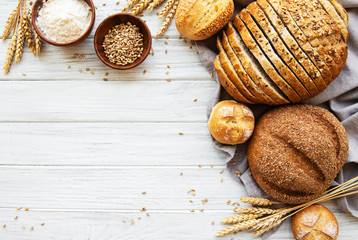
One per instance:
(79,152)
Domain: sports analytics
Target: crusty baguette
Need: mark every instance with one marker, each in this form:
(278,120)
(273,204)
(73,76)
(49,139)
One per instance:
(199,20)
(227,84)
(264,62)
(303,42)
(296,49)
(246,79)
(232,75)
(341,11)
(326,4)
(253,68)
(321,30)
(281,48)
(270,54)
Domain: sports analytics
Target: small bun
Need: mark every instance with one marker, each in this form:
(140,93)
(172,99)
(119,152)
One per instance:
(199,20)
(231,122)
(315,222)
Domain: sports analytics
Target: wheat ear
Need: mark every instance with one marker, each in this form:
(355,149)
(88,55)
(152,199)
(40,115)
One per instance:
(240,218)
(256,210)
(10,53)
(9,23)
(168,5)
(20,38)
(155,4)
(268,228)
(168,19)
(237,227)
(258,201)
(37,43)
(129,4)
(139,7)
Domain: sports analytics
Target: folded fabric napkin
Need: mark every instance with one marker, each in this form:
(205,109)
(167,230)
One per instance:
(341,98)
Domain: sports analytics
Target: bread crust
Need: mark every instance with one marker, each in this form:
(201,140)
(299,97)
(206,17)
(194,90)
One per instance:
(301,39)
(296,152)
(227,84)
(231,122)
(260,79)
(315,222)
(281,48)
(341,11)
(246,79)
(295,48)
(231,73)
(331,11)
(321,31)
(270,54)
(264,62)
(197,21)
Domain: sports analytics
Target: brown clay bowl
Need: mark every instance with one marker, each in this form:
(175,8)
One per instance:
(35,12)
(110,22)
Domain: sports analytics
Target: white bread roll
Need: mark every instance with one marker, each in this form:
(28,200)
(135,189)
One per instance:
(231,122)
(199,20)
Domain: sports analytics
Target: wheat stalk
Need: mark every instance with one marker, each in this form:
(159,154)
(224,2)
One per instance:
(20,38)
(275,217)
(240,218)
(237,227)
(139,7)
(258,201)
(168,5)
(10,53)
(168,19)
(256,210)
(129,4)
(10,22)
(155,4)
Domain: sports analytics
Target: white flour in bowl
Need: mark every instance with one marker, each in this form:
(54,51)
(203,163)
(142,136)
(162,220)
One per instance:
(63,21)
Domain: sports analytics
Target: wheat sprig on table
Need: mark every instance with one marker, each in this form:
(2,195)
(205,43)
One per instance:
(9,23)
(262,220)
(28,35)
(155,4)
(20,39)
(138,6)
(10,53)
(168,19)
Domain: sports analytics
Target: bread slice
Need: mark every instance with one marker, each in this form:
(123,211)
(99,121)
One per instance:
(331,11)
(271,55)
(231,73)
(227,84)
(264,62)
(281,49)
(253,68)
(321,30)
(245,78)
(294,47)
(341,11)
(302,40)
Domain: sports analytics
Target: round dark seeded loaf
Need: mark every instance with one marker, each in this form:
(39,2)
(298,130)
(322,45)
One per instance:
(296,152)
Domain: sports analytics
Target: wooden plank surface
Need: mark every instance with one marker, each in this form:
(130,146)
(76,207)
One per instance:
(79,151)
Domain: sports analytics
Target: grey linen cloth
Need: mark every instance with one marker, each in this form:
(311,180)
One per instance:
(341,98)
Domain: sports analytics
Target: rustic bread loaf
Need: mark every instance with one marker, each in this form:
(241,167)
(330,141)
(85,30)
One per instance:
(315,222)
(297,48)
(199,20)
(231,122)
(296,152)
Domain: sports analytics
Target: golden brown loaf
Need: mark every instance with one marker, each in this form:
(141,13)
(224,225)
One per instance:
(231,122)
(296,152)
(315,222)
(199,20)
(296,48)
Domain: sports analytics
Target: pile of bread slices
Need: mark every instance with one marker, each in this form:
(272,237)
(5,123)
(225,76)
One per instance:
(282,51)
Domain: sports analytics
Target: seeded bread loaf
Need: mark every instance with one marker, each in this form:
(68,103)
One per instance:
(296,152)
(291,50)
(199,20)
